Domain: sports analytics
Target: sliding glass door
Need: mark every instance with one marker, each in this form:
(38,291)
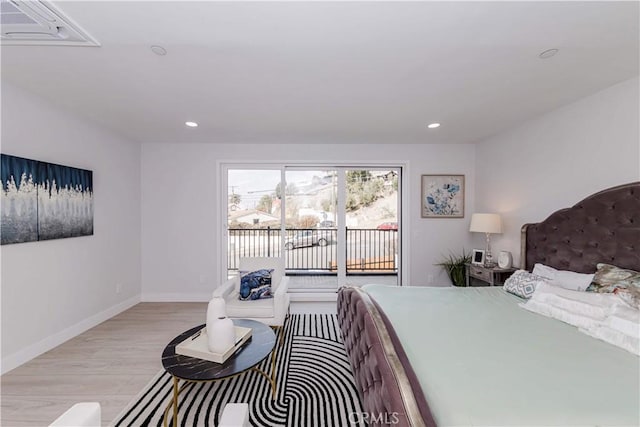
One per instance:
(311,234)
(371,219)
(253,215)
(333,225)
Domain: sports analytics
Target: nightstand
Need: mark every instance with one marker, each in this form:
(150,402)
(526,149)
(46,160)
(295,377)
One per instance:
(491,276)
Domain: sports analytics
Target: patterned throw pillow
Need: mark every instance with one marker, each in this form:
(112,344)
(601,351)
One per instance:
(522,283)
(622,282)
(255,285)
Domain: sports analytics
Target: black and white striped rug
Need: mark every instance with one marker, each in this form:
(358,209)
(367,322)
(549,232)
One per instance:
(315,386)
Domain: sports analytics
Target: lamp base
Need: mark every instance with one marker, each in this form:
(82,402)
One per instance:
(488,261)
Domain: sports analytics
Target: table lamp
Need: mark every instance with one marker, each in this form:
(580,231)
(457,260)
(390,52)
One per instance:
(489,224)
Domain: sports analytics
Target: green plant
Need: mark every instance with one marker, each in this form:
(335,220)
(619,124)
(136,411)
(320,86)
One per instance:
(455,266)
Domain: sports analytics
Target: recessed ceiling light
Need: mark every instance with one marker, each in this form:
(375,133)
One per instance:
(434,125)
(548,53)
(158,50)
(191,124)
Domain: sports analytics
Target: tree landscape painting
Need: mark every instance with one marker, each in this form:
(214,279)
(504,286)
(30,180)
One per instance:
(44,201)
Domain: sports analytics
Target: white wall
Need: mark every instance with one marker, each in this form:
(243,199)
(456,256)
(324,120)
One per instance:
(557,160)
(181,192)
(53,290)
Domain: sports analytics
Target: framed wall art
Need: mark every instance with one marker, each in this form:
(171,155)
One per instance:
(44,201)
(442,196)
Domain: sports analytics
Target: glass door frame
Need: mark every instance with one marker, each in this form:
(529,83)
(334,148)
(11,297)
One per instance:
(403,206)
(399,215)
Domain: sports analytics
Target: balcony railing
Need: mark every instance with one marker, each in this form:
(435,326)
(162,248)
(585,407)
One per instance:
(314,251)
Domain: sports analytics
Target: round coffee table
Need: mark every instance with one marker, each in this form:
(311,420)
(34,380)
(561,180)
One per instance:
(193,370)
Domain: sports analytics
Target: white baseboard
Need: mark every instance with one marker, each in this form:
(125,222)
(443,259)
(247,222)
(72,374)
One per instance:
(313,296)
(205,297)
(301,302)
(318,307)
(18,358)
(313,302)
(175,297)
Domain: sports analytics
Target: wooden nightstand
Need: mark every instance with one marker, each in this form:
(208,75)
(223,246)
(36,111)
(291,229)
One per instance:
(491,276)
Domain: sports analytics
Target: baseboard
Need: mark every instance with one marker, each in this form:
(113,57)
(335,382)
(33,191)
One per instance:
(175,297)
(318,307)
(18,358)
(313,296)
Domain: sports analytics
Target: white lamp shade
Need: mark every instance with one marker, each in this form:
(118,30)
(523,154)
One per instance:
(486,223)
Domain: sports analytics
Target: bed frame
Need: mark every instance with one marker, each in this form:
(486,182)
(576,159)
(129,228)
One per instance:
(604,227)
(388,387)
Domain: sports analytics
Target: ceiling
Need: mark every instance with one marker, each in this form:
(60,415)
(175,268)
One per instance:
(328,72)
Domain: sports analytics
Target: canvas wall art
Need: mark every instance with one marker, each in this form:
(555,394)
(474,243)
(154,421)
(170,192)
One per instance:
(442,196)
(43,201)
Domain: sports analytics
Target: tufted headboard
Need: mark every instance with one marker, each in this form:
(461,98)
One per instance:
(604,227)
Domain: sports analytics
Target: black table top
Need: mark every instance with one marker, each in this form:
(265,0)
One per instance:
(254,351)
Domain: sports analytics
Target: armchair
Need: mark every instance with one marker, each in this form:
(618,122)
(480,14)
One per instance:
(270,311)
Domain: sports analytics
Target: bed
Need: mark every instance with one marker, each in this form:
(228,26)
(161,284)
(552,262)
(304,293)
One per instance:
(472,356)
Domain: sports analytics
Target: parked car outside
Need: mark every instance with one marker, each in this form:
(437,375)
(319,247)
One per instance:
(305,238)
(388,226)
(327,224)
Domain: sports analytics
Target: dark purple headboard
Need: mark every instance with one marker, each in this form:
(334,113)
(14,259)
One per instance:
(604,227)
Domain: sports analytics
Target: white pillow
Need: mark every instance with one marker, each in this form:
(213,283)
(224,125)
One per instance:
(549,273)
(590,304)
(562,278)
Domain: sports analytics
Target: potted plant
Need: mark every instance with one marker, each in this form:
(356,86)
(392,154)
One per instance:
(455,266)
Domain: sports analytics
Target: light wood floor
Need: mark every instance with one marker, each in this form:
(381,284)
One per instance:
(110,364)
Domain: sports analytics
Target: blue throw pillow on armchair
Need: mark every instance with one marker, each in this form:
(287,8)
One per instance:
(255,285)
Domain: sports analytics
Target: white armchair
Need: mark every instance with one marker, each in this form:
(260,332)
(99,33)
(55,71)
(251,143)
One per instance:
(270,311)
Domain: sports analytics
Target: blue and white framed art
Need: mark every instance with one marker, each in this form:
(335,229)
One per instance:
(442,196)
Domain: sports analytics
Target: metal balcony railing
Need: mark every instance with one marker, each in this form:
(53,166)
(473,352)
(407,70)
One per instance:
(314,251)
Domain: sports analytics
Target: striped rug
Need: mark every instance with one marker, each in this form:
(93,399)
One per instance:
(315,386)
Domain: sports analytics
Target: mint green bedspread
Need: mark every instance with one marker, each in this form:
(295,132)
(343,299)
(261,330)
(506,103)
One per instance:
(484,361)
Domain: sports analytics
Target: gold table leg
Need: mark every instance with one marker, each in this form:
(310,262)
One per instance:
(173,403)
(279,330)
(271,378)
